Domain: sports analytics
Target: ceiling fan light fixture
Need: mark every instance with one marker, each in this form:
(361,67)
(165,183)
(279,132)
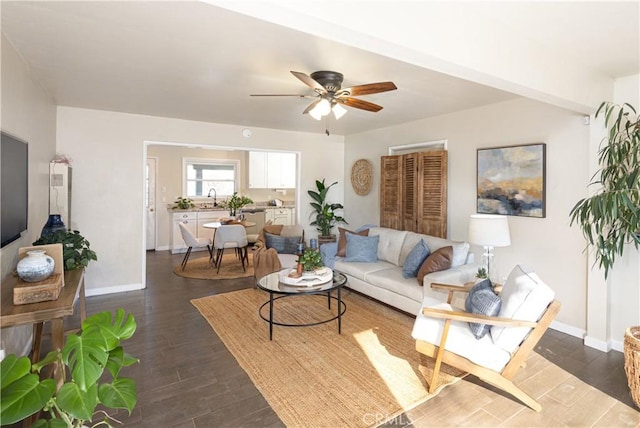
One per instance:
(338,111)
(321,109)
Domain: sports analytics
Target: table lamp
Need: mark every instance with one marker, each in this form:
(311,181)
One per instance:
(489,231)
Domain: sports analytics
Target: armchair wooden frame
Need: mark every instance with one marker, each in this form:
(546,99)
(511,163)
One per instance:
(503,379)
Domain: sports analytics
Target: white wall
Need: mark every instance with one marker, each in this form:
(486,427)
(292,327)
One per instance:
(29,114)
(548,245)
(108,154)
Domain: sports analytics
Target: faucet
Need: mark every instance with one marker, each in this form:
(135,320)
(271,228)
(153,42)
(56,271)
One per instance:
(215,195)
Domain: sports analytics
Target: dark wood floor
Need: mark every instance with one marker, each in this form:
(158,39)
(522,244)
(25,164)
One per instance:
(187,378)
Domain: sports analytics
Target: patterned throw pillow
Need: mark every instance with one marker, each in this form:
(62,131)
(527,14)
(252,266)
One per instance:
(414,260)
(282,244)
(482,300)
(362,248)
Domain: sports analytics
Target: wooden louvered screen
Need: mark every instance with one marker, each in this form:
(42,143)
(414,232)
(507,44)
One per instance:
(391,192)
(409,192)
(413,192)
(432,197)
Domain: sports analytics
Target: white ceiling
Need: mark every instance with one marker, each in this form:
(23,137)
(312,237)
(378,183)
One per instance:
(196,61)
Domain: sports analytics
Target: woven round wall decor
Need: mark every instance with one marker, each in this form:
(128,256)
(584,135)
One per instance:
(362,176)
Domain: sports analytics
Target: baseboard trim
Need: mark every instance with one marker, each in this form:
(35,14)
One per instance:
(115,289)
(617,345)
(568,329)
(163,248)
(600,345)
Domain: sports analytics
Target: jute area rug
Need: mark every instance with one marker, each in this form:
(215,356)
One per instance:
(312,376)
(200,268)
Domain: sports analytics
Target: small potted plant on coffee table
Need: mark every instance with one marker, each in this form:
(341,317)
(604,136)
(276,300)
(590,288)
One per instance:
(310,261)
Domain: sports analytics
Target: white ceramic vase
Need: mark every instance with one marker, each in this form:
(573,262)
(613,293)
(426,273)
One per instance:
(37,266)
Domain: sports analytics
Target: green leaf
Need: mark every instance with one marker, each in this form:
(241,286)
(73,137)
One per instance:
(13,368)
(77,402)
(50,423)
(120,394)
(24,396)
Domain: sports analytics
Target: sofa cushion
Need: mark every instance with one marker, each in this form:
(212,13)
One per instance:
(437,261)
(342,240)
(392,280)
(524,297)
(390,244)
(282,244)
(482,300)
(460,249)
(460,340)
(361,270)
(362,248)
(414,259)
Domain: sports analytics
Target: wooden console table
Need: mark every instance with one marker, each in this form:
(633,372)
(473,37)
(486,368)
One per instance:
(53,311)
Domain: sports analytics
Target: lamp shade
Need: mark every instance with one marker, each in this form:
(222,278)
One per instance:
(489,230)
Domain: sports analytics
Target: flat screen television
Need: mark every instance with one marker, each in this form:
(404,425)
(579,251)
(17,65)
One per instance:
(14,188)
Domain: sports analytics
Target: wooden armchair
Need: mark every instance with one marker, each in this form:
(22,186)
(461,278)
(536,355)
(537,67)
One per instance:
(442,333)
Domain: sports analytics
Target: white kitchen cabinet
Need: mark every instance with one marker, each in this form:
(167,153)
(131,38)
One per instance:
(272,170)
(190,219)
(258,170)
(208,217)
(279,215)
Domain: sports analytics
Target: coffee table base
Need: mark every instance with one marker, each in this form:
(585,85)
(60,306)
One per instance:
(342,308)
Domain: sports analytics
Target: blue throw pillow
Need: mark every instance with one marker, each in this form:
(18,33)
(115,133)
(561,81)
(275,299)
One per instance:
(415,258)
(484,301)
(282,244)
(328,252)
(362,248)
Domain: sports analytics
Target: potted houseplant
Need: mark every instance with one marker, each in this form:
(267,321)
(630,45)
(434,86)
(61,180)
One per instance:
(610,218)
(310,260)
(324,213)
(183,203)
(235,203)
(85,356)
(76,252)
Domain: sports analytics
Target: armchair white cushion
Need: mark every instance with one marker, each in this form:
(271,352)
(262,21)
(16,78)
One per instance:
(460,340)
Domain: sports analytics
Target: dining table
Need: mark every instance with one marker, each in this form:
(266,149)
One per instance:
(216,224)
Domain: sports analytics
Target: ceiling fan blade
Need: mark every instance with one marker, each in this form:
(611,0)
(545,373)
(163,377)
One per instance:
(361,104)
(282,95)
(311,106)
(370,88)
(307,80)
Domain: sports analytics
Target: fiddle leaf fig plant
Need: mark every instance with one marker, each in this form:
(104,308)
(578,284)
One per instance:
(324,212)
(610,218)
(85,356)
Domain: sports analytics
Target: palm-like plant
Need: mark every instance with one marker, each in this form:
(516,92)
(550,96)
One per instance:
(324,212)
(610,219)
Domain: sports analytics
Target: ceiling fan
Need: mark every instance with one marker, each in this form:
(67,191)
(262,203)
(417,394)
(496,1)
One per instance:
(330,96)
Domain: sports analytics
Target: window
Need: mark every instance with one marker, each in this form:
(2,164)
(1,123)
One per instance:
(202,175)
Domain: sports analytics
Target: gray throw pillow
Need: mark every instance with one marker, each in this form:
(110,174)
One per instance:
(414,260)
(484,301)
(282,244)
(362,248)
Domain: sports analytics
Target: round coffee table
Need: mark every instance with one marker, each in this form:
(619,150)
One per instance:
(271,283)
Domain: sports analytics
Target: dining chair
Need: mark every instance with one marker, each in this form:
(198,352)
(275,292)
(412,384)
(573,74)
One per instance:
(192,242)
(231,236)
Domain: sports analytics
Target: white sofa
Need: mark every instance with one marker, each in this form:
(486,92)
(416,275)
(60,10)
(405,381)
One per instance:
(383,280)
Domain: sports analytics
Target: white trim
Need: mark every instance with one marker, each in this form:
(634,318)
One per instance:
(617,345)
(113,289)
(393,149)
(568,329)
(598,344)
(163,248)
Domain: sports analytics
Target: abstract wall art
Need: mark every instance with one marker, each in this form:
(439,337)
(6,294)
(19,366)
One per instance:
(511,180)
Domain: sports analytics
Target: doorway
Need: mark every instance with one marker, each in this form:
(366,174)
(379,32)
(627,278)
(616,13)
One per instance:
(150,201)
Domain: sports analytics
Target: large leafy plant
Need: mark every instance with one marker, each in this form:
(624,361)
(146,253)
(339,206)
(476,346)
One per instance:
(85,355)
(324,212)
(235,203)
(76,252)
(610,219)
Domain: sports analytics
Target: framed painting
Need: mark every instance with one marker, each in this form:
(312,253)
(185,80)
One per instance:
(511,180)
